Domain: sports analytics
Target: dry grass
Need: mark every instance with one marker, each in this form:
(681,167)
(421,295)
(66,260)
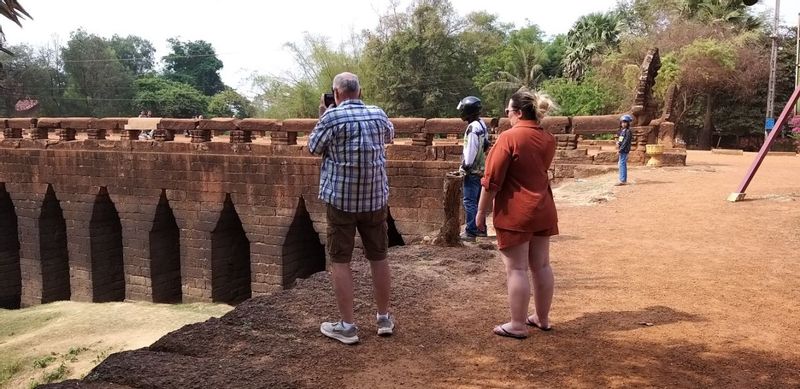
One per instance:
(62,340)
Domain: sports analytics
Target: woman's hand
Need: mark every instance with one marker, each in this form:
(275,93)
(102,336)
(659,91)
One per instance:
(480,220)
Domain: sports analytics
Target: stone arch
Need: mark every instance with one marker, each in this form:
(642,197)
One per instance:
(302,253)
(230,258)
(10,274)
(54,255)
(165,254)
(395,238)
(105,237)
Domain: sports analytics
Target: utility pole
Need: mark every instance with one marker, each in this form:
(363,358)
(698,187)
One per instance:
(773,63)
(797,65)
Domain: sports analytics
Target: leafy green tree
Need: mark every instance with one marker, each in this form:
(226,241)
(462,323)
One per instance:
(518,64)
(169,98)
(98,84)
(587,97)
(416,64)
(135,53)
(194,63)
(592,34)
(228,103)
(297,95)
(281,99)
(30,74)
(729,12)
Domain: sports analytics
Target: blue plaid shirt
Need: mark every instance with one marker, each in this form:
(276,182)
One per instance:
(351,139)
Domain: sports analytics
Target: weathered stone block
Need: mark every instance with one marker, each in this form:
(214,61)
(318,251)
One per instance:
(557,124)
(110,124)
(50,123)
(218,124)
(408,125)
(283,138)
(21,123)
(673,158)
(260,125)
(445,126)
(78,123)
(177,125)
(299,125)
(595,124)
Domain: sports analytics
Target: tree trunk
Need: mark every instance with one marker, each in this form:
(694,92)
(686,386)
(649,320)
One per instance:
(704,140)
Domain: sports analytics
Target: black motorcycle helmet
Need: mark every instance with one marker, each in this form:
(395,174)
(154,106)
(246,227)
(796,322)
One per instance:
(469,106)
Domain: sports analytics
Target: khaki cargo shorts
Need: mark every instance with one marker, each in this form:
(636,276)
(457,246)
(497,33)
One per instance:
(371,226)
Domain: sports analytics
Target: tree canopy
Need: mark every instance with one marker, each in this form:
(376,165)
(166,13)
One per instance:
(419,61)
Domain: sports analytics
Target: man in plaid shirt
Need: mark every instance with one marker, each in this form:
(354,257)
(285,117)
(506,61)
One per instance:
(351,138)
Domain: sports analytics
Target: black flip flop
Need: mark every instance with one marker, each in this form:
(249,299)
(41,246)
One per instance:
(532,324)
(504,332)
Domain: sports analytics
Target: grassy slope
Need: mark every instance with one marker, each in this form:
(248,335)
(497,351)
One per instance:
(62,340)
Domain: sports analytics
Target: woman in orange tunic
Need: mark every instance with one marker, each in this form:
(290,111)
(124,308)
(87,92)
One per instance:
(524,212)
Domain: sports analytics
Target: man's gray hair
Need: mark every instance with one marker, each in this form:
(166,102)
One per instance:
(346,83)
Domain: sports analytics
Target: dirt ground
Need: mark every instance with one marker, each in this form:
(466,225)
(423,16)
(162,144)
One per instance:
(36,342)
(661,283)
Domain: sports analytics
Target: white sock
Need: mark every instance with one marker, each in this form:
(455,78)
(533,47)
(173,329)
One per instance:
(382,316)
(347,325)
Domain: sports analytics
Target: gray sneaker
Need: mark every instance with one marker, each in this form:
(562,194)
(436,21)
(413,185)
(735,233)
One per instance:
(467,237)
(385,326)
(336,331)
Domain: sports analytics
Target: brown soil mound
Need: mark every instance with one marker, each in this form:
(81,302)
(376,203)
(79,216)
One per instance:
(665,284)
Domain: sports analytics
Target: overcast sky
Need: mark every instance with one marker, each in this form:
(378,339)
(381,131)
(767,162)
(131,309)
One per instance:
(250,35)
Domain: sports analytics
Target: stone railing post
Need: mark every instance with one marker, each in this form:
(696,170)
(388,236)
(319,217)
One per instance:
(262,126)
(8,132)
(451,202)
(413,127)
(70,126)
(168,127)
(450,127)
(290,130)
(36,133)
(206,128)
(44,125)
(101,128)
(135,127)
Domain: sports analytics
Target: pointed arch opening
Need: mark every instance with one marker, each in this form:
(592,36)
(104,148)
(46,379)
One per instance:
(302,253)
(10,275)
(165,254)
(105,236)
(230,258)
(53,253)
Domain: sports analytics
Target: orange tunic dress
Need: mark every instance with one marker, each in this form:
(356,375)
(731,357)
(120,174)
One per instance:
(516,169)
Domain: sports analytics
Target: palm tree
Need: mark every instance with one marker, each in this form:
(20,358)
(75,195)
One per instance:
(732,12)
(592,34)
(525,70)
(12,10)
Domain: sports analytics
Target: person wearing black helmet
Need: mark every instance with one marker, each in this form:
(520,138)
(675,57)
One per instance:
(624,138)
(476,142)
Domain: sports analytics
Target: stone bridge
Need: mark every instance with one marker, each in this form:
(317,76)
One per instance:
(90,213)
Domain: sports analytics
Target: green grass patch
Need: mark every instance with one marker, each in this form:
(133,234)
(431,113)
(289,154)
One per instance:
(41,363)
(14,323)
(8,368)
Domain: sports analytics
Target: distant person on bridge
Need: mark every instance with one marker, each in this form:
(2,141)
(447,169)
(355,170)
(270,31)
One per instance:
(516,181)
(476,142)
(351,137)
(624,138)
